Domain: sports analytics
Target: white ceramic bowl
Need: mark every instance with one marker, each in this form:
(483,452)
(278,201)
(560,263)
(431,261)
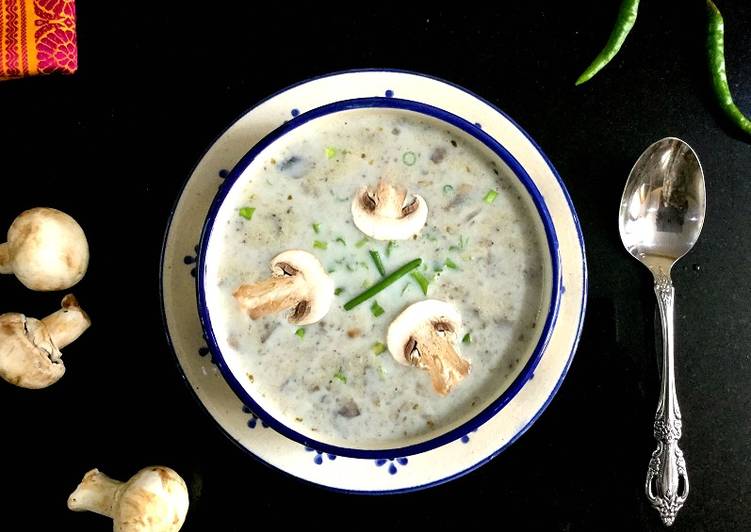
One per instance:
(228,361)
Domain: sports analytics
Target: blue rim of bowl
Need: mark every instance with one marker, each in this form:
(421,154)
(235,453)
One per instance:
(496,405)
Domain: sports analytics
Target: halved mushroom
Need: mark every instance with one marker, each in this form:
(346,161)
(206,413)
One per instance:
(297,282)
(46,250)
(386,213)
(154,499)
(30,354)
(424,335)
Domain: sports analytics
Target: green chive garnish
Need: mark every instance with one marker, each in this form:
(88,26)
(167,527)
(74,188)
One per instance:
(340,376)
(451,264)
(377,260)
(247,212)
(383,283)
(448,189)
(341,241)
(320,245)
(490,196)
(409,158)
(360,243)
(390,247)
(422,281)
(300,332)
(376,309)
(317,228)
(338,291)
(330,152)
(378,348)
(467,339)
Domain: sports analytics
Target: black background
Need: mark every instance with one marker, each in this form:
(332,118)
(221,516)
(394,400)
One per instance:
(157,83)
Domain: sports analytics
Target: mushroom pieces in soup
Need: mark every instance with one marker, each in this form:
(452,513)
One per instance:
(424,336)
(297,282)
(387,213)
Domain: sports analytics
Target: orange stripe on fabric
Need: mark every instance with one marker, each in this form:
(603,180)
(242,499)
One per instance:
(31,18)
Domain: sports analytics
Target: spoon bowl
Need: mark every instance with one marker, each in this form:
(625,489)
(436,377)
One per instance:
(663,204)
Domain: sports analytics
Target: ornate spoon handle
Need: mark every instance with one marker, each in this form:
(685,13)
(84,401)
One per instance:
(667,480)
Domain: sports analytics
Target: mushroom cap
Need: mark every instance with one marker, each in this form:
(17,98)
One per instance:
(28,357)
(48,249)
(319,283)
(417,315)
(155,498)
(386,221)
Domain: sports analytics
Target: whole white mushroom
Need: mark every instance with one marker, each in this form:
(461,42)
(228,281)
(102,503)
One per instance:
(30,354)
(154,500)
(46,250)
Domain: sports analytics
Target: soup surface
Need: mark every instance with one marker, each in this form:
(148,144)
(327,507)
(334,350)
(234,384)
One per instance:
(485,254)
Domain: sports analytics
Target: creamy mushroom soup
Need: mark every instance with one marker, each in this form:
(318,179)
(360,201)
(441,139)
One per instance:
(483,251)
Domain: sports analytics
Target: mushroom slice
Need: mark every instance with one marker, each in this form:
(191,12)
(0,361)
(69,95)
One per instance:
(30,354)
(46,250)
(387,213)
(297,282)
(155,498)
(424,335)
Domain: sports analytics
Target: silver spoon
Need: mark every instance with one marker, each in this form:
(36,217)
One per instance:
(661,216)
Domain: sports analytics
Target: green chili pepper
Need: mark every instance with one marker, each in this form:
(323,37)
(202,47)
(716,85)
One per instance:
(300,332)
(377,260)
(716,51)
(320,245)
(623,24)
(383,283)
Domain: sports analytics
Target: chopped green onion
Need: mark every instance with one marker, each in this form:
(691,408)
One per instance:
(383,283)
(409,158)
(317,228)
(360,243)
(381,372)
(422,281)
(378,348)
(490,196)
(451,264)
(377,260)
(376,309)
(390,247)
(341,241)
(320,245)
(462,244)
(340,376)
(300,332)
(448,189)
(467,339)
(406,287)
(338,291)
(330,152)
(247,212)
(437,268)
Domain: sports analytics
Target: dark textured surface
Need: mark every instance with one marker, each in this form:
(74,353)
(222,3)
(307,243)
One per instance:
(112,144)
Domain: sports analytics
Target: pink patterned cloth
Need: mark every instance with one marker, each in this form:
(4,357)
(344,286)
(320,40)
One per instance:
(37,37)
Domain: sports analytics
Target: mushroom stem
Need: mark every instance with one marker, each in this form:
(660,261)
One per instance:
(271,295)
(5,266)
(435,352)
(68,323)
(96,493)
